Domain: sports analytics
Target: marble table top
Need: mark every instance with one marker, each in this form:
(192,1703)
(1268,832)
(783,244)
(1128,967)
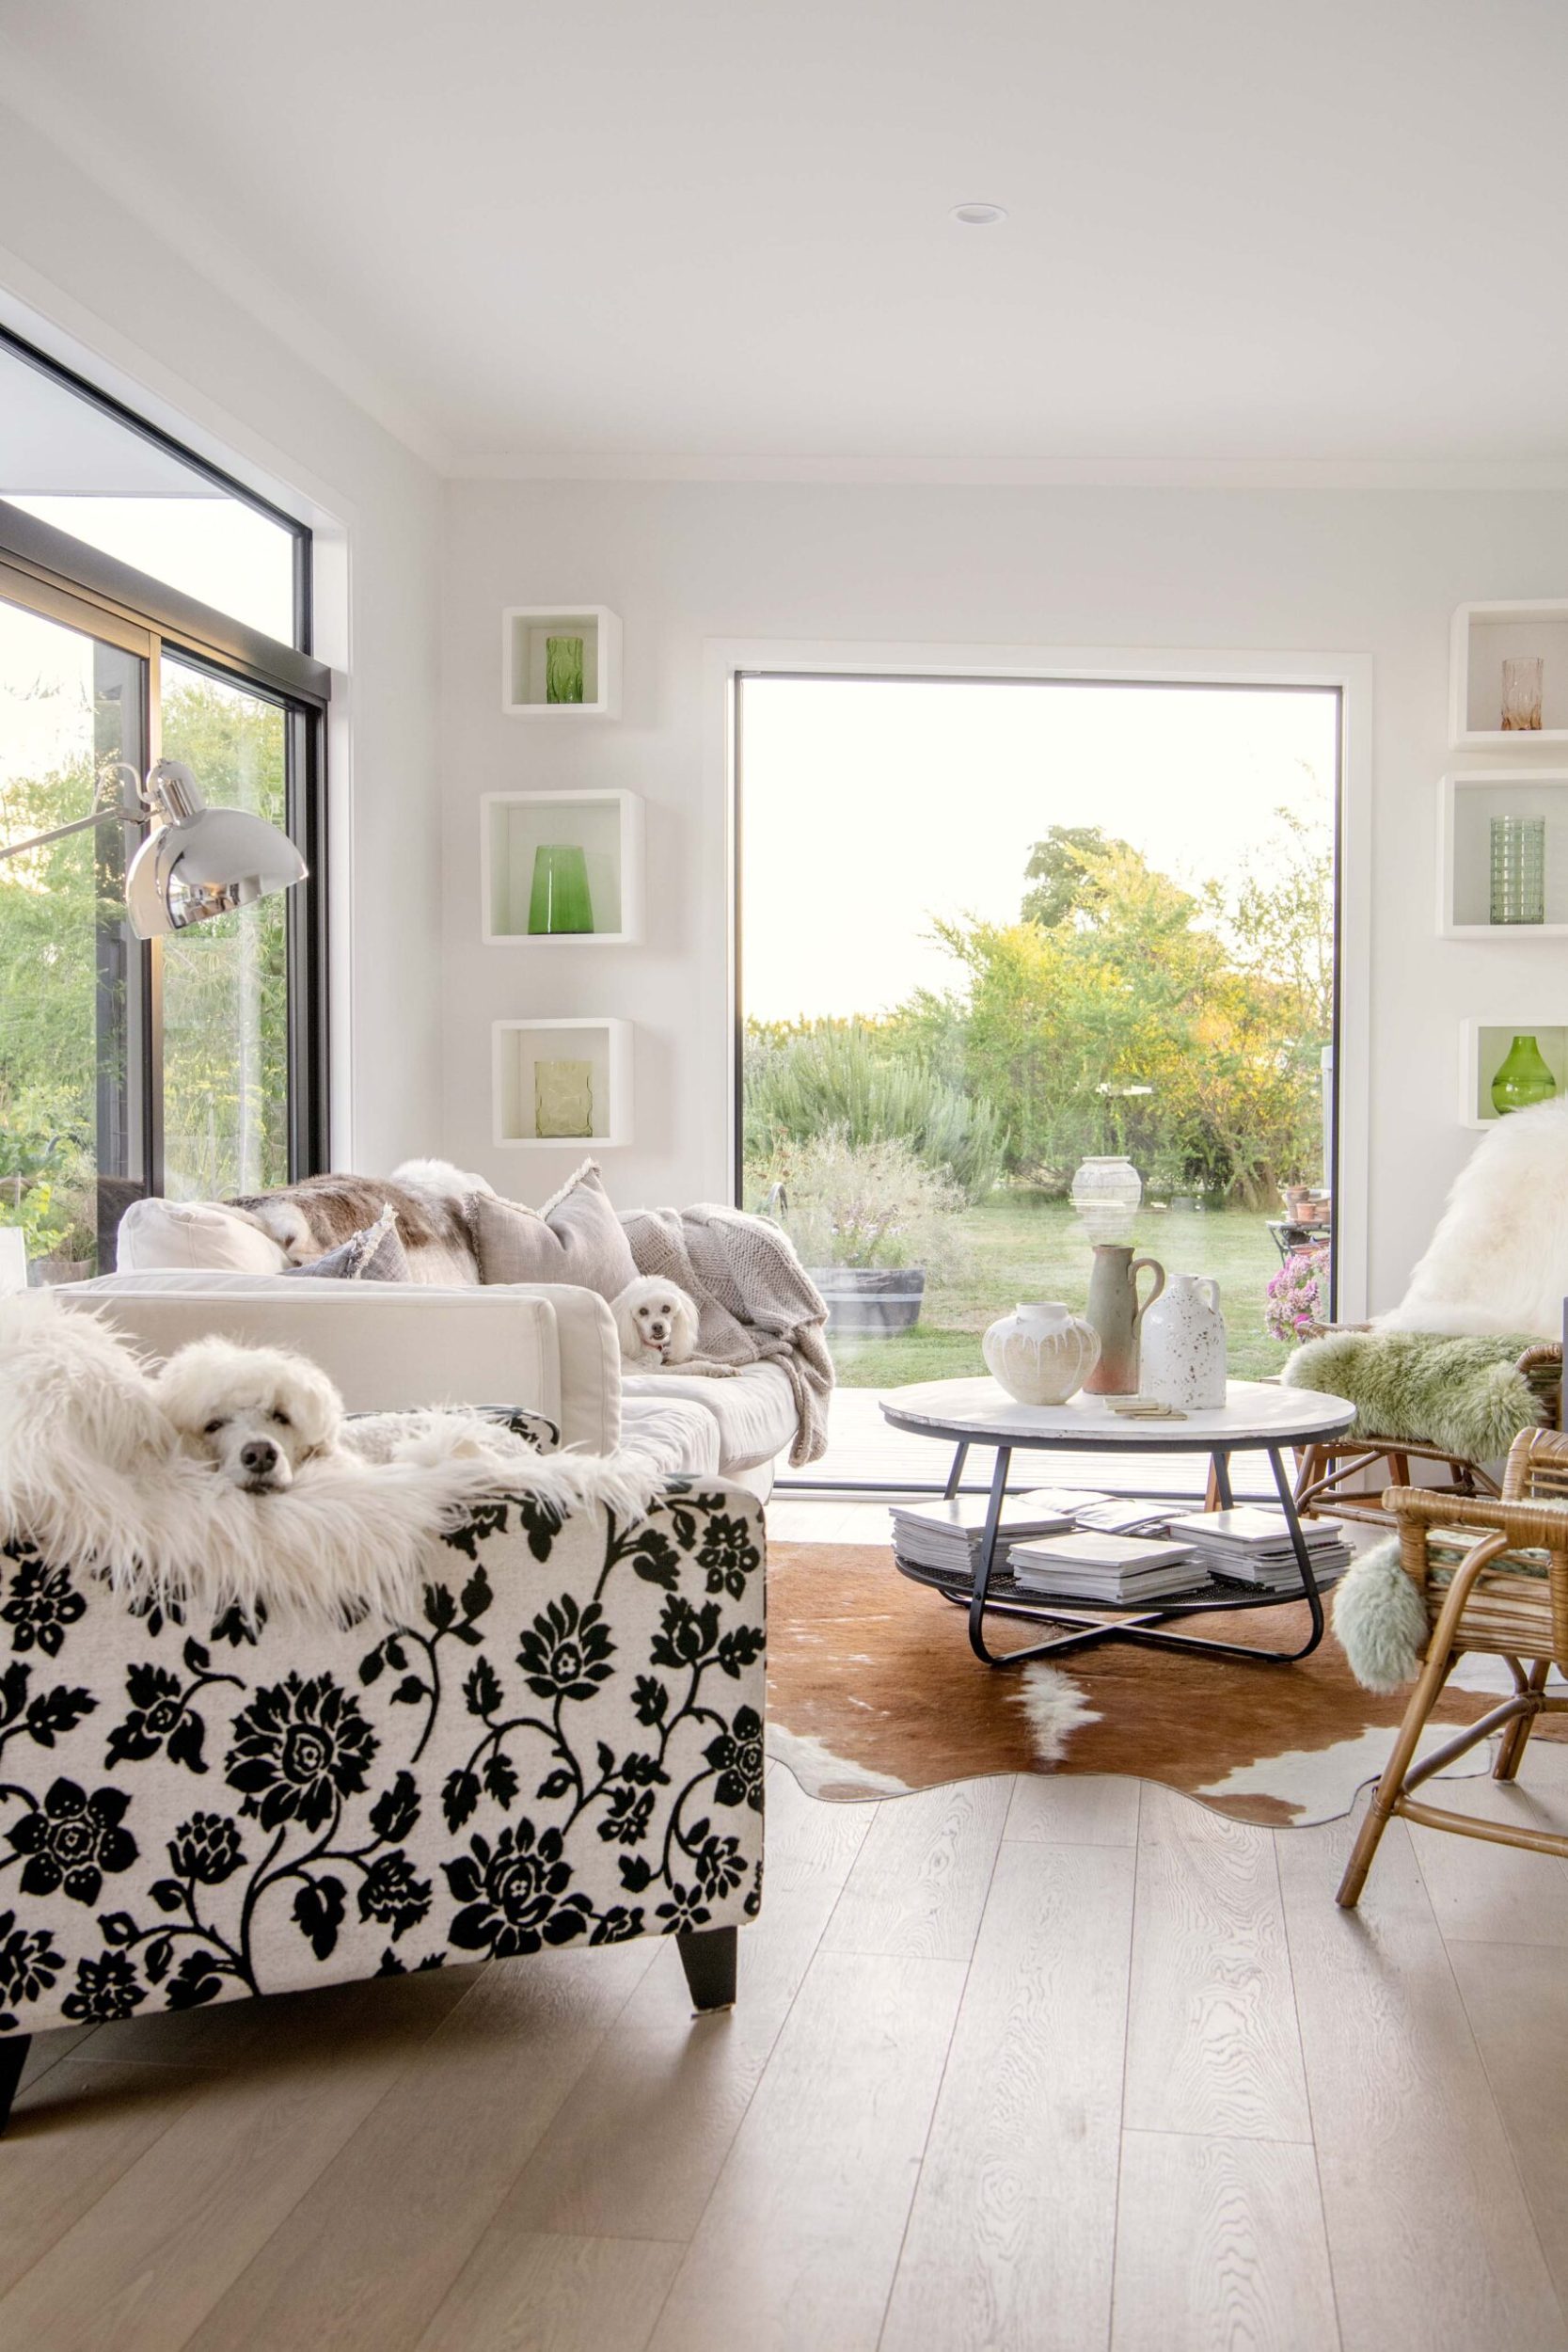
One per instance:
(1255,1413)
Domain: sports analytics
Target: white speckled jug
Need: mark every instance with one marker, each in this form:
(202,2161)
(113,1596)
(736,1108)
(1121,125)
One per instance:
(1041,1353)
(1182,1360)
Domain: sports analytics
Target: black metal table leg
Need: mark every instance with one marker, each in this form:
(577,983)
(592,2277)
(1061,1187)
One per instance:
(955,1473)
(1222,1480)
(1147,1629)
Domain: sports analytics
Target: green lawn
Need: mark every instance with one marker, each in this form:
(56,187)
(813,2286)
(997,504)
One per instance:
(1024,1245)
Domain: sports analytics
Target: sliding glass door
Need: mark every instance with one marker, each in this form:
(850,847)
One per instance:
(1028,963)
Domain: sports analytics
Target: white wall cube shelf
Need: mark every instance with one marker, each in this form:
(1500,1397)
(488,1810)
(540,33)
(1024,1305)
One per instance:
(525,629)
(1484,1048)
(516,1049)
(606,826)
(1465,806)
(1486,635)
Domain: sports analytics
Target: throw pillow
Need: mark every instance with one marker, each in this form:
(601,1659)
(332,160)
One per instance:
(187,1235)
(577,1237)
(374,1254)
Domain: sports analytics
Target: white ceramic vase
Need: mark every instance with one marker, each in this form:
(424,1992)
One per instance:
(1041,1353)
(1183,1360)
(1106,1193)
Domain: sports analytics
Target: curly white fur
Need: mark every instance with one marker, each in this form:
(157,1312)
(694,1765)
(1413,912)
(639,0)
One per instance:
(1380,1620)
(93,1472)
(1498,1261)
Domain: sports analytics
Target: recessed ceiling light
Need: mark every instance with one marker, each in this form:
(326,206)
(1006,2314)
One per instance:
(979,216)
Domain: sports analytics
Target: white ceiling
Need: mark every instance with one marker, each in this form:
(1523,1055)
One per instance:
(716,232)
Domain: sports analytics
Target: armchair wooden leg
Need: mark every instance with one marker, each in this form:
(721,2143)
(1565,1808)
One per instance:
(1380,1812)
(13,2058)
(710,1957)
(1511,1748)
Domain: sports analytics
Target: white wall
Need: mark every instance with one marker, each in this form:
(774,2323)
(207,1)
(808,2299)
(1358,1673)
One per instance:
(1367,573)
(80,276)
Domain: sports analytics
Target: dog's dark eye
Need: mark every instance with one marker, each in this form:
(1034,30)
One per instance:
(282,1420)
(212,1427)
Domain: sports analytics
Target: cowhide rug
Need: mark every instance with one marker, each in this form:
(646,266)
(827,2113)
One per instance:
(874,1691)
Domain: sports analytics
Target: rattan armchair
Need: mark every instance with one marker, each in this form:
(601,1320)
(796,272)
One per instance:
(1494,1577)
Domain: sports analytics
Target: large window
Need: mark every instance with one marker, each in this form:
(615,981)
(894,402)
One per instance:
(193,1065)
(993,931)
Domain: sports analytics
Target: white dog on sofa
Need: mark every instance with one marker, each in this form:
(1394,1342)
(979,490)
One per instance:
(260,1414)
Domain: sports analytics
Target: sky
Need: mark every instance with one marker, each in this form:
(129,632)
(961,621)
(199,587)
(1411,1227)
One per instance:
(869,806)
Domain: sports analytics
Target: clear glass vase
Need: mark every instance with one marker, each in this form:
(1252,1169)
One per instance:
(1522,681)
(1518,869)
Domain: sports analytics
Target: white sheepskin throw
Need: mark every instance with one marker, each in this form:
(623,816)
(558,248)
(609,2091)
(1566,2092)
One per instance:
(1380,1620)
(92,1472)
(1498,1261)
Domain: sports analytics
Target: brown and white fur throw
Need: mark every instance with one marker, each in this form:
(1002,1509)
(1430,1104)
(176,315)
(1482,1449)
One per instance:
(432,1199)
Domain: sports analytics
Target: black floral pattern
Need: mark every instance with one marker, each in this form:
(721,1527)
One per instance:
(106,1987)
(514,1894)
(40,1604)
(207,1848)
(565,1748)
(300,1749)
(737,1758)
(71,1840)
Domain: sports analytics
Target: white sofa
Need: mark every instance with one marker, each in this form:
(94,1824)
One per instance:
(550,1347)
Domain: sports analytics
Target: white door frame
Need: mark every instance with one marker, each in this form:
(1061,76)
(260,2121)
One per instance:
(1349,674)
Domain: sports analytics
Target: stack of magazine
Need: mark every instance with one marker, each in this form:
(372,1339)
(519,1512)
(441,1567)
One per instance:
(946,1537)
(1252,1547)
(1093,1565)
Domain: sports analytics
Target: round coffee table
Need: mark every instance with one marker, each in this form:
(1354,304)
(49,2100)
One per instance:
(1257,1417)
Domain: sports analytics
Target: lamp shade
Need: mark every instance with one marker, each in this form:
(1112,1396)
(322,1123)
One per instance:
(203,861)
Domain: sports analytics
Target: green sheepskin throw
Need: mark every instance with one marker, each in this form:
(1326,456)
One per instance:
(1464,1396)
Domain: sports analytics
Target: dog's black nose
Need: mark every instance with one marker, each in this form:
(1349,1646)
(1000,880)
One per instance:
(259,1455)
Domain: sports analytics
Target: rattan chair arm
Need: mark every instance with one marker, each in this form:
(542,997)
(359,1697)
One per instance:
(1312,1331)
(1541,1525)
(1546,1355)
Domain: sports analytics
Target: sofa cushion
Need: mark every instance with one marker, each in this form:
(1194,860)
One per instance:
(374,1254)
(671,1433)
(754,1413)
(200,1235)
(577,1237)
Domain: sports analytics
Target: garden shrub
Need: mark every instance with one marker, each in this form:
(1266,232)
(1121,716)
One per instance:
(850,1080)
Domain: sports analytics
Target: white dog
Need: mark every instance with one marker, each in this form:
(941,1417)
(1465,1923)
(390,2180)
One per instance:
(657,1323)
(260,1414)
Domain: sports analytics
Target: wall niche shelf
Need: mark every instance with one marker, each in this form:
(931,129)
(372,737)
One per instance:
(517,1047)
(1486,635)
(1466,802)
(526,631)
(1483,1045)
(606,826)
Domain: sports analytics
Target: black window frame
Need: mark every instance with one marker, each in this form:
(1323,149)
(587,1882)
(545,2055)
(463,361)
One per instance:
(45,570)
(303,569)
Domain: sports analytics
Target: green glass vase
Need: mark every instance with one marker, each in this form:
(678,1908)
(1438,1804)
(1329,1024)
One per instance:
(563,669)
(1522,1079)
(559,901)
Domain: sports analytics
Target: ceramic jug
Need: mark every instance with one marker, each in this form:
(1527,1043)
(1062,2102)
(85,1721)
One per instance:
(1183,1345)
(1041,1353)
(1116,1310)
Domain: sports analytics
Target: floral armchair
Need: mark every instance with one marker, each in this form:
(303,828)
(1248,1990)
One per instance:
(567,1748)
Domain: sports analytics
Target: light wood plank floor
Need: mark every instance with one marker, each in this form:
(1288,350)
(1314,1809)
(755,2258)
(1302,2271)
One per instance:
(1059,2066)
